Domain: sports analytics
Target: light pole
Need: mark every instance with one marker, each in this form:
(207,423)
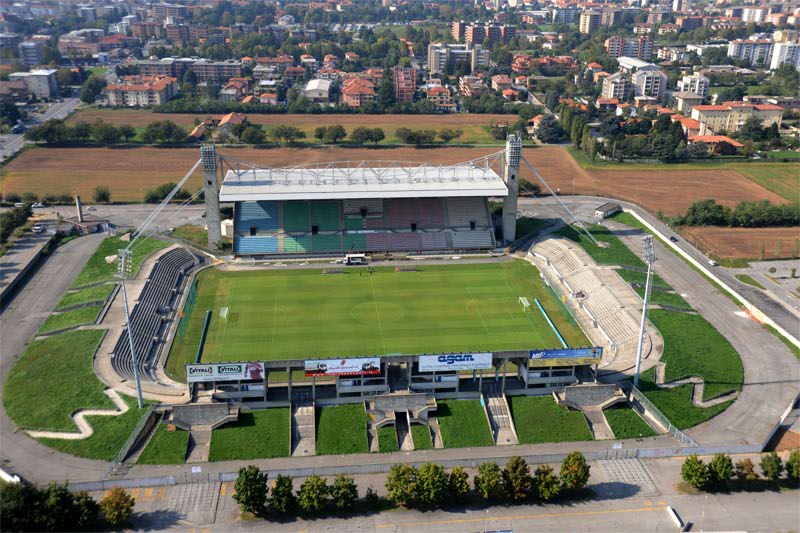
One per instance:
(124,273)
(649,256)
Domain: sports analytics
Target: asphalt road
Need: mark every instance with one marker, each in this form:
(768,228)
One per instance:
(11,142)
(19,321)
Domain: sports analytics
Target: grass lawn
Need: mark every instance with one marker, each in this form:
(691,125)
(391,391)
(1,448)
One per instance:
(615,254)
(302,313)
(780,178)
(422,437)
(387,439)
(626,423)
(341,430)
(676,404)
(52,378)
(194,234)
(782,154)
(70,319)
(463,424)
(97,294)
(744,278)
(256,435)
(692,347)
(540,419)
(110,434)
(97,270)
(165,447)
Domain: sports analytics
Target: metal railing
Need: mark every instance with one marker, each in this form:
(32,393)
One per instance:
(126,448)
(655,412)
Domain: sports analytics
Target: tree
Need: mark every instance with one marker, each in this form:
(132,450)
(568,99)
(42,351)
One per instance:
(283,499)
(793,466)
(102,195)
(319,132)
(386,97)
(489,481)
(401,484)
(431,486)
(517,478)
(104,133)
(359,135)
(85,510)
(237,130)
(748,149)
(549,130)
(313,494)
(251,490)
(720,469)
(344,493)
(252,136)
(746,470)
(92,88)
(405,135)
(458,484)
(117,507)
(695,472)
(17,505)
(371,498)
(546,484)
(575,471)
(81,130)
(335,133)
(752,129)
(771,466)
(449,134)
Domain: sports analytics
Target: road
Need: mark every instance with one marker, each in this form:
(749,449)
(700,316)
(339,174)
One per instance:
(19,321)
(19,255)
(11,142)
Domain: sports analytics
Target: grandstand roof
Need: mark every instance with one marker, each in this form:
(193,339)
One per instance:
(364,179)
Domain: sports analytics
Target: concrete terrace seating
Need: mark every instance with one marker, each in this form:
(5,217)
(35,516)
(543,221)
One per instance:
(375,223)
(473,239)
(462,211)
(295,216)
(550,248)
(378,241)
(431,213)
(602,303)
(159,294)
(357,242)
(567,262)
(621,327)
(261,244)
(260,215)
(402,213)
(584,280)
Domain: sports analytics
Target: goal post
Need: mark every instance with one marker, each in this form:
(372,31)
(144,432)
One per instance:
(524,303)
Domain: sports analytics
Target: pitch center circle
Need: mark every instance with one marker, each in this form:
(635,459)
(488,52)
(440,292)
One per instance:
(372,312)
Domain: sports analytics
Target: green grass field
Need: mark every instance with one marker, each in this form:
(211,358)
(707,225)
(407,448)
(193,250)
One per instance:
(303,313)
(616,254)
(341,430)
(91,295)
(422,437)
(463,424)
(387,439)
(165,447)
(540,419)
(744,278)
(71,319)
(52,378)
(256,435)
(97,270)
(626,423)
(676,403)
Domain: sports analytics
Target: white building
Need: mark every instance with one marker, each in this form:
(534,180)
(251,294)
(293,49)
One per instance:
(757,52)
(696,83)
(470,54)
(783,53)
(41,83)
(649,81)
(318,91)
(616,86)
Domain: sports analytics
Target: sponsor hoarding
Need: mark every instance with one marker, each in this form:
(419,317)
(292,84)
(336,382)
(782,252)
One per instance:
(455,361)
(566,357)
(343,367)
(225,372)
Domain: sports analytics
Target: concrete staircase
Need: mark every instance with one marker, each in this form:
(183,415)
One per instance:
(598,423)
(303,428)
(436,434)
(199,446)
(403,432)
(499,415)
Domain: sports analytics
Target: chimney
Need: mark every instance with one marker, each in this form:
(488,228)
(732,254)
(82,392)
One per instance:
(80,208)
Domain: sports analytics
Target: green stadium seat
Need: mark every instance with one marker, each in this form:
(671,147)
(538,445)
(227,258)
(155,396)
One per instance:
(326,243)
(357,242)
(325,215)
(296,244)
(353,222)
(295,216)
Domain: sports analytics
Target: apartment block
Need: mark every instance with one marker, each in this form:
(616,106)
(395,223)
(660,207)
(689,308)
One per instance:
(470,54)
(405,83)
(589,22)
(731,116)
(142,91)
(756,51)
(216,71)
(638,47)
(617,86)
(783,53)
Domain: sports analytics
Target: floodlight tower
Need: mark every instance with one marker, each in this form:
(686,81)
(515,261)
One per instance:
(510,177)
(123,273)
(208,155)
(649,256)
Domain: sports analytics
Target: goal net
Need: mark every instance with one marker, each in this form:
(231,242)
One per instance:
(223,313)
(524,303)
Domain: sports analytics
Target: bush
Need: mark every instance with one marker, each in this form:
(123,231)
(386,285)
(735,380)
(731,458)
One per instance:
(102,194)
(517,478)
(489,482)
(25,507)
(283,499)
(432,486)
(458,484)
(30,197)
(117,507)
(720,469)
(575,471)
(13,219)
(313,494)
(695,472)
(344,493)
(12,197)
(251,490)
(401,484)
(546,484)
(746,470)
(371,498)
(771,466)
(793,466)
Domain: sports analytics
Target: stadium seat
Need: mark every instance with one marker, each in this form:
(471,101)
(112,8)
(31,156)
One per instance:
(326,243)
(295,244)
(295,216)
(402,213)
(355,241)
(325,215)
(261,215)
(463,211)
(261,244)
(431,213)
(472,239)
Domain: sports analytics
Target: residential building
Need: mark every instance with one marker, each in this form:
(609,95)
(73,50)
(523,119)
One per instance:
(682,5)
(216,71)
(685,101)
(439,55)
(610,17)
(754,14)
(357,91)
(696,83)
(458,30)
(232,92)
(440,98)
(145,30)
(643,29)
(470,85)
(332,74)
(142,91)
(756,52)
(175,67)
(294,75)
(281,63)
(639,47)
(30,52)
(171,11)
(589,22)
(501,82)
(689,23)
(178,33)
(666,29)
(80,43)
(41,83)
(782,54)
(616,86)
(318,91)
(649,81)
(405,84)
(567,14)
(13,91)
(477,33)
(730,116)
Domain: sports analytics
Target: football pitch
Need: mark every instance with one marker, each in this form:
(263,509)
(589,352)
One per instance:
(303,313)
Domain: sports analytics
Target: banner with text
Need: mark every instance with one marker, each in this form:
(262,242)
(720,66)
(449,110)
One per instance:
(343,367)
(566,357)
(455,361)
(225,372)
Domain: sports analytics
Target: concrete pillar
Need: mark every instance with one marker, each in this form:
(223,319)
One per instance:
(208,154)
(289,381)
(511,179)
(505,362)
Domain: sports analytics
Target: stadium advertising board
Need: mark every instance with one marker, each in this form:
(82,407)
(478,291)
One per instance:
(363,366)
(455,361)
(225,372)
(566,357)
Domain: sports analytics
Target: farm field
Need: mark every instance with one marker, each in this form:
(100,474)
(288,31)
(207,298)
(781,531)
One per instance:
(130,172)
(463,424)
(303,313)
(540,419)
(473,126)
(744,243)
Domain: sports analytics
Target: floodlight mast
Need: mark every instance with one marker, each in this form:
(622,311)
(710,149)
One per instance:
(649,256)
(123,273)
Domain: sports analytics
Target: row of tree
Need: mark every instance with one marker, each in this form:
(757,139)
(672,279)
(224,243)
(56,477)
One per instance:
(100,132)
(427,136)
(720,470)
(159,194)
(745,214)
(427,487)
(12,219)
(25,507)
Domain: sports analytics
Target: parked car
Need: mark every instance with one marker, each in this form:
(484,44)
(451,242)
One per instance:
(712,262)
(38,205)
(37,228)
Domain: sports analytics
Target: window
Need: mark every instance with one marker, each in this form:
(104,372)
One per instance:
(253,231)
(363,212)
(472,225)
(414,227)
(314,230)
